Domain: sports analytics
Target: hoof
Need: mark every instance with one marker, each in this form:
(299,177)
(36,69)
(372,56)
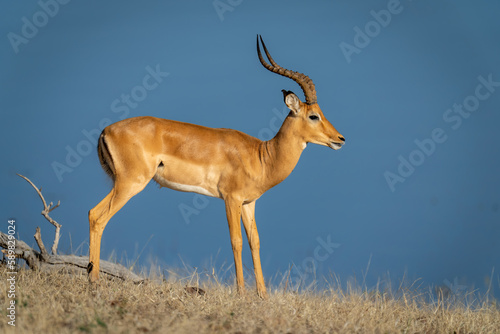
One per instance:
(93,274)
(90,266)
(262,295)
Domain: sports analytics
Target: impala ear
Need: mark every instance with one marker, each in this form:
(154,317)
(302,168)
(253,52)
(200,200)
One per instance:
(291,101)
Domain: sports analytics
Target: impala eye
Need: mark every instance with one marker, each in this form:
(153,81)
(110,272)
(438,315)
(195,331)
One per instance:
(313,117)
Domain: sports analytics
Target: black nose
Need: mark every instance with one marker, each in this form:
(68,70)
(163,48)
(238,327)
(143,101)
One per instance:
(342,138)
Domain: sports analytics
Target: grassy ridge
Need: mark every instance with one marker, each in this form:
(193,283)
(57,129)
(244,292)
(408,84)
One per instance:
(61,303)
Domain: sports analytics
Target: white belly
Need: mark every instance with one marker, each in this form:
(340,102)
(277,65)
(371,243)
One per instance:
(182,187)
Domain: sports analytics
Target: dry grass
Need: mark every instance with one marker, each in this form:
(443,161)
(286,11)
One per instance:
(61,303)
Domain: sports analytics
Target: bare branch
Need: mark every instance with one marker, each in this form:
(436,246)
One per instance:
(57,205)
(43,251)
(45,213)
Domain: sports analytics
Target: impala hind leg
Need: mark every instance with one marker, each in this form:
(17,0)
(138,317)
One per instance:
(102,213)
(248,215)
(233,212)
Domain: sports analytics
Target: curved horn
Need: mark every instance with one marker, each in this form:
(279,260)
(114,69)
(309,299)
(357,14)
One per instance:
(303,80)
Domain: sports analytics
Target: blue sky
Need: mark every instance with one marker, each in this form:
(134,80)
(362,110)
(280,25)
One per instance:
(414,86)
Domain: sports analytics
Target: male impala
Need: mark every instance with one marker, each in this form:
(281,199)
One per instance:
(222,163)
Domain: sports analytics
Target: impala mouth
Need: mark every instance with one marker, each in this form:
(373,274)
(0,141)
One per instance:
(335,146)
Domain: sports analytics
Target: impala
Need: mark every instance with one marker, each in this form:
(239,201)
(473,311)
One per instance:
(222,163)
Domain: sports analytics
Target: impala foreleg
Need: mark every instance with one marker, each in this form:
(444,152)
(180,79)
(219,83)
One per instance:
(233,212)
(248,215)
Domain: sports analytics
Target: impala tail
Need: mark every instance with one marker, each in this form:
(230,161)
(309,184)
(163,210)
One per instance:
(105,157)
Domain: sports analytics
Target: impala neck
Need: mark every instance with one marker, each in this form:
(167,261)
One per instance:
(281,154)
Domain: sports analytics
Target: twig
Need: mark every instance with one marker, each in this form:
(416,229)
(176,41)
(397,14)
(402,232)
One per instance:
(43,251)
(45,213)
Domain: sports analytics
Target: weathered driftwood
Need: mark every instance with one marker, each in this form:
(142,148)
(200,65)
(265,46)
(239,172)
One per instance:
(43,261)
(70,263)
